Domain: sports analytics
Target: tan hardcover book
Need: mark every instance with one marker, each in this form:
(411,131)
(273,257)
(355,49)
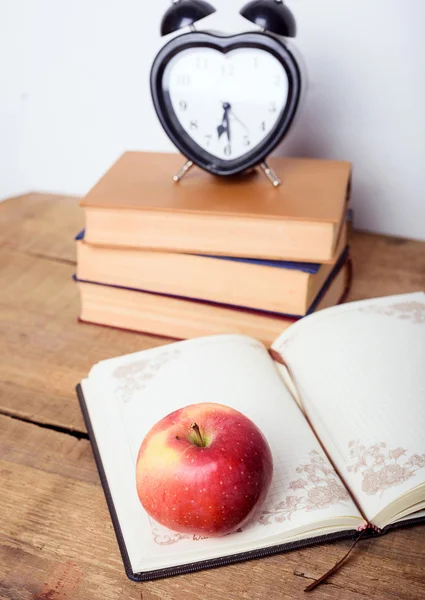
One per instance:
(277,286)
(179,318)
(137,204)
(350,457)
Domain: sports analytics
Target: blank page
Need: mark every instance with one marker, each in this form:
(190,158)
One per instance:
(359,370)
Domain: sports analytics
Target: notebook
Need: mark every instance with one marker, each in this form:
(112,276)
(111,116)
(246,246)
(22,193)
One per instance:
(340,397)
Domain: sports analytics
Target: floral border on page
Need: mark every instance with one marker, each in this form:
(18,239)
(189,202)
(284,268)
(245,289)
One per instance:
(135,376)
(412,311)
(382,468)
(317,487)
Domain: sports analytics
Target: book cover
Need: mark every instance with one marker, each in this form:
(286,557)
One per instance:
(312,189)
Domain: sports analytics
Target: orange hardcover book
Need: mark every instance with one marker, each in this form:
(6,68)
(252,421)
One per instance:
(276,286)
(137,204)
(180,318)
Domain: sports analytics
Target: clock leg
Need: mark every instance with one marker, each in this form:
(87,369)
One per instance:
(270,174)
(185,168)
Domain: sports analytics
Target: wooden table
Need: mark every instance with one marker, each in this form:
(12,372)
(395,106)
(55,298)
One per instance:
(57,541)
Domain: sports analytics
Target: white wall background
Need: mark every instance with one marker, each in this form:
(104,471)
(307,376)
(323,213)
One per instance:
(74,94)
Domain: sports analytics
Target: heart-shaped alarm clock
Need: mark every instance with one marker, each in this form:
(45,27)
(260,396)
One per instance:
(225,101)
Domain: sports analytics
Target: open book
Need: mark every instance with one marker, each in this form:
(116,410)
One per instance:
(345,420)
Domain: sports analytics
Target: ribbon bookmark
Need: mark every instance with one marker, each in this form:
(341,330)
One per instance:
(277,357)
(335,568)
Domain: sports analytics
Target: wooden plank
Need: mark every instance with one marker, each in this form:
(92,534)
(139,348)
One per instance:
(47,450)
(57,542)
(41,225)
(46,351)
(385,266)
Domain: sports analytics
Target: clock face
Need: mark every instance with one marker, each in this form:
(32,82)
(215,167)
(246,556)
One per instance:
(227,103)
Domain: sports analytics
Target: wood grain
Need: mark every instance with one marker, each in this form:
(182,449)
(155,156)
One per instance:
(56,538)
(48,352)
(41,225)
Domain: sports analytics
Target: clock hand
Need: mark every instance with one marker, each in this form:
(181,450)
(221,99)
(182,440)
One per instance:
(229,137)
(232,114)
(224,127)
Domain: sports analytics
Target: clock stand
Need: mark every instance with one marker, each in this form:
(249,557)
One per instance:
(268,172)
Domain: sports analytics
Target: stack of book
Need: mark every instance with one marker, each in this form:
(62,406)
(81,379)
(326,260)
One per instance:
(213,255)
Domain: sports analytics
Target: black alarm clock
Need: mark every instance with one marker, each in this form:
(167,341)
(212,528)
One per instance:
(225,101)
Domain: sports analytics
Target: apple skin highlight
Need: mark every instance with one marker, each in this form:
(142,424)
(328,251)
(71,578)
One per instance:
(204,469)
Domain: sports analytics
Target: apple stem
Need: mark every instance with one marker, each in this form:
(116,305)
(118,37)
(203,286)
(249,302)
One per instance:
(199,439)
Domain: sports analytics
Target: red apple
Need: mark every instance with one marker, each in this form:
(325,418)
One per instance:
(203,469)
